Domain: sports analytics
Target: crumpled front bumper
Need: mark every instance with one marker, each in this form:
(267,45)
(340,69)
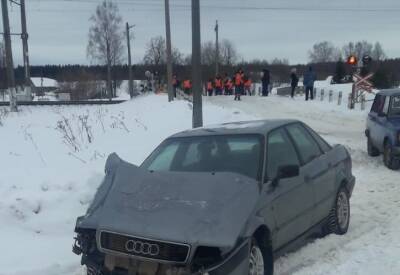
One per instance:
(236,264)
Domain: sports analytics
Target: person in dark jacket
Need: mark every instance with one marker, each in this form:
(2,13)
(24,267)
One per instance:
(309,79)
(294,81)
(265,80)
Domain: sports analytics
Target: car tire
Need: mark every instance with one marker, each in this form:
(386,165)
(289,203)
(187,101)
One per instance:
(339,217)
(260,260)
(92,270)
(388,158)
(372,150)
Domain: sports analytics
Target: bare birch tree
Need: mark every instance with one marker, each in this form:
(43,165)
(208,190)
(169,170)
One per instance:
(106,38)
(156,53)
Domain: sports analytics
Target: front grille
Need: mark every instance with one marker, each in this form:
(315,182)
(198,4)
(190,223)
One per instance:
(144,248)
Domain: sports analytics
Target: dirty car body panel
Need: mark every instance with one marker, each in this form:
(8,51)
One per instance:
(192,221)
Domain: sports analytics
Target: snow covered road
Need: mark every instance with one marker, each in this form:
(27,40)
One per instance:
(46,182)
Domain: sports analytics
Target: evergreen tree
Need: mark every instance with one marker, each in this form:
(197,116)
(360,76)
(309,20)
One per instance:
(381,79)
(340,72)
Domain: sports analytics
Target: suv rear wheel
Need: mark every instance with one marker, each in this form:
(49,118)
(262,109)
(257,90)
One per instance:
(388,158)
(372,150)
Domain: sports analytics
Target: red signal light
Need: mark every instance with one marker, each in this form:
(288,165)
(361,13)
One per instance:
(352,60)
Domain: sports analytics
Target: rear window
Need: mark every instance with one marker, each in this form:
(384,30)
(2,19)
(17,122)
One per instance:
(379,102)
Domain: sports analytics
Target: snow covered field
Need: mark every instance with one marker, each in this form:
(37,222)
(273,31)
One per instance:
(52,160)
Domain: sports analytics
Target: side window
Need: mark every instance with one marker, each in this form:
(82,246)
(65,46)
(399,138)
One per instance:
(378,104)
(280,152)
(306,145)
(321,142)
(385,109)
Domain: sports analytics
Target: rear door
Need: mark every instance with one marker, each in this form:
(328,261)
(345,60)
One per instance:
(316,171)
(376,120)
(291,205)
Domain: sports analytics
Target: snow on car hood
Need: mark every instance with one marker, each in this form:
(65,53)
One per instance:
(194,208)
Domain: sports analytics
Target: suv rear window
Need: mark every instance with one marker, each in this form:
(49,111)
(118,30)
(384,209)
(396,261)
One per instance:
(379,102)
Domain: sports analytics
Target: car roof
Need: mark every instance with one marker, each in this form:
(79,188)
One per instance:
(390,92)
(237,128)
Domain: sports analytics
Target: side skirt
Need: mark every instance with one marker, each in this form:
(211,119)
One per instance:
(310,235)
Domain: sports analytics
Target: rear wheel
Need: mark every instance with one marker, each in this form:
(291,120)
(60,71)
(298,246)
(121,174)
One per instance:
(372,150)
(339,217)
(388,159)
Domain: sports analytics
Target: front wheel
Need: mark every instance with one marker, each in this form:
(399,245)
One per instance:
(339,217)
(260,260)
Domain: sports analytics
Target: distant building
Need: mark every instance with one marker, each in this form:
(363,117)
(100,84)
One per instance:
(42,85)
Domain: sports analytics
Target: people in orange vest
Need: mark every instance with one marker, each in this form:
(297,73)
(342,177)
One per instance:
(210,87)
(247,86)
(238,84)
(187,86)
(228,85)
(218,85)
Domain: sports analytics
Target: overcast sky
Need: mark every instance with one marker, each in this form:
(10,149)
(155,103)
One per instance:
(259,28)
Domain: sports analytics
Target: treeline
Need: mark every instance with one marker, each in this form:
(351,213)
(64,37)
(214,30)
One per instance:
(279,72)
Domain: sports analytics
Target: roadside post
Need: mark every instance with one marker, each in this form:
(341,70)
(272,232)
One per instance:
(362,102)
(330,96)
(340,98)
(322,94)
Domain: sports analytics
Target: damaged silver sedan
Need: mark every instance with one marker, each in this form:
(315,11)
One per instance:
(220,200)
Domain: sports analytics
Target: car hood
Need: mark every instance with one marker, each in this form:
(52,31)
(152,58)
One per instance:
(209,209)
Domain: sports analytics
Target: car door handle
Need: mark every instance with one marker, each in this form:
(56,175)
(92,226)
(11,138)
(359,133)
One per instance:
(307,179)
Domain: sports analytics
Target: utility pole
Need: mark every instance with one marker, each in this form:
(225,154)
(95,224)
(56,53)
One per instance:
(169,52)
(196,66)
(128,27)
(25,49)
(9,59)
(216,49)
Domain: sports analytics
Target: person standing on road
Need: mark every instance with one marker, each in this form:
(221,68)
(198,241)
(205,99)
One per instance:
(265,80)
(238,85)
(294,81)
(175,84)
(210,87)
(218,85)
(247,86)
(309,79)
(187,86)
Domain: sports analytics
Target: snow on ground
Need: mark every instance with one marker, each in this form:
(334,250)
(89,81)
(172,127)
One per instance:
(52,160)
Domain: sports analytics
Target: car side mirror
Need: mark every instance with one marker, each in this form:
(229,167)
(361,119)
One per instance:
(286,172)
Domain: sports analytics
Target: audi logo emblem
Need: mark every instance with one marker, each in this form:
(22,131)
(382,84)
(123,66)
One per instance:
(142,248)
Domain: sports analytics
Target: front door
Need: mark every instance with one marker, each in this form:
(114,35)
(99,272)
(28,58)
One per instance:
(291,199)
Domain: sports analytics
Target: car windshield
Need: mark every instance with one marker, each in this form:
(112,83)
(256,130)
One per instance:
(395,109)
(238,154)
